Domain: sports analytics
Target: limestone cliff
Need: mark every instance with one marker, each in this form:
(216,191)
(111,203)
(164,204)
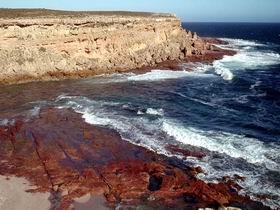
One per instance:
(35,47)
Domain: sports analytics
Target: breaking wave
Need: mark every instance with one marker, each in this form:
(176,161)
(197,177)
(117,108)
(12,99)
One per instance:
(152,76)
(250,55)
(151,111)
(236,146)
(222,70)
(227,154)
(156,75)
(231,155)
(131,128)
(250,60)
(242,42)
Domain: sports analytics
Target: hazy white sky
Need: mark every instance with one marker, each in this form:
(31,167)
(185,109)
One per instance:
(187,10)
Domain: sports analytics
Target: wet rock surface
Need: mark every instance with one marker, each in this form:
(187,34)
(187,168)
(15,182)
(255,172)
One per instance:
(59,153)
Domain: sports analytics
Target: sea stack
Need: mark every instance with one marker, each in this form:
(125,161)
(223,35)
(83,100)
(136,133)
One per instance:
(45,44)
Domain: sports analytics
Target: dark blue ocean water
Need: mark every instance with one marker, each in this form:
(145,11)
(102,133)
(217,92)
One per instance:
(230,109)
(260,113)
(263,32)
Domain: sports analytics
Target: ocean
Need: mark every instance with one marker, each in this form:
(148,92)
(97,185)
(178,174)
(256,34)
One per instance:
(228,110)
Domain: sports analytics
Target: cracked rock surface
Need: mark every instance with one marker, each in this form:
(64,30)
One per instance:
(60,154)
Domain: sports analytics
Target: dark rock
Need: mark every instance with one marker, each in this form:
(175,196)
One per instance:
(155,183)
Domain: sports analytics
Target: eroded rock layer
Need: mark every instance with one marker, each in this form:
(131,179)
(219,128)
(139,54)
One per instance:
(49,46)
(61,154)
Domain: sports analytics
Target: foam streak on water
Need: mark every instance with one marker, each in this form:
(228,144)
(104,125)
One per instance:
(228,109)
(235,154)
(199,109)
(156,75)
(236,146)
(248,57)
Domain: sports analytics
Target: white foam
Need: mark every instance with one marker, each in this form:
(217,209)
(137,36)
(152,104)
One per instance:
(235,146)
(153,75)
(196,67)
(248,56)
(110,78)
(92,119)
(35,111)
(260,159)
(219,67)
(222,70)
(82,102)
(242,42)
(6,122)
(156,134)
(156,75)
(139,112)
(251,60)
(152,111)
(131,128)
(254,185)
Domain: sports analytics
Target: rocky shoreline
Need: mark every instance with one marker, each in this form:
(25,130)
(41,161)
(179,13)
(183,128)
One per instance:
(80,159)
(76,165)
(51,45)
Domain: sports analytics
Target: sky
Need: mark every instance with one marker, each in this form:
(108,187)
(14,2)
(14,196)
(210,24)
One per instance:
(187,10)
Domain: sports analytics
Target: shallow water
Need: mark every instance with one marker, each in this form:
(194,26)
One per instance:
(230,110)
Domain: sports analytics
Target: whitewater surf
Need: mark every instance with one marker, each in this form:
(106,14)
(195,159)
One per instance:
(228,110)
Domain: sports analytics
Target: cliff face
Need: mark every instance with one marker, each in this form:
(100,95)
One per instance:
(35,48)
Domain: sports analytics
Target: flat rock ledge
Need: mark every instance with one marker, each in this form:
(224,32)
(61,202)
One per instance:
(60,154)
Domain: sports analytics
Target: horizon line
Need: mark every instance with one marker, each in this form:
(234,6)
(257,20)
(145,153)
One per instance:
(182,20)
(265,22)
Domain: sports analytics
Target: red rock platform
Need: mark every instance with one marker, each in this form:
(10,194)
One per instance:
(59,153)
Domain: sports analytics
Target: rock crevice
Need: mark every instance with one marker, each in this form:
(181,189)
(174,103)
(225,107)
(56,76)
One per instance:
(90,160)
